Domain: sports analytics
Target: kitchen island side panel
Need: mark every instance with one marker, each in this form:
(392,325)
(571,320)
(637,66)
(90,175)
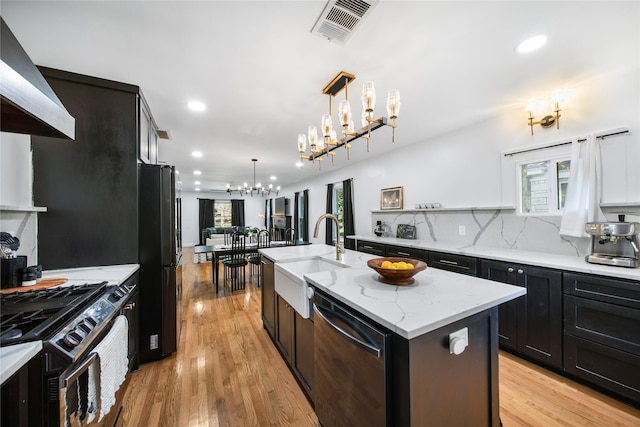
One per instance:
(433,387)
(89,185)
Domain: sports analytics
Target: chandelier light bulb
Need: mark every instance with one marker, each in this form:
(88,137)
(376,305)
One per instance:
(334,137)
(368,96)
(327,125)
(344,111)
(313,136)
(393,104)
(302,142)
(365,118)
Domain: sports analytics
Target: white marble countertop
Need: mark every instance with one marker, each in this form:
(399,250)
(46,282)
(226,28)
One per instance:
(437,298)
(560,262)
(114,274)
(15,357)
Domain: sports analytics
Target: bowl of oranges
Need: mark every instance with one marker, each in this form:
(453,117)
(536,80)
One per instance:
(396,271)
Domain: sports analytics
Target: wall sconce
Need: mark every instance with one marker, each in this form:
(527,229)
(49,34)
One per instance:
(547,121)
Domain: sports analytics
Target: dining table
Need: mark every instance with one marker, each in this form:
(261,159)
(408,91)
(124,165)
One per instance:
(219,251)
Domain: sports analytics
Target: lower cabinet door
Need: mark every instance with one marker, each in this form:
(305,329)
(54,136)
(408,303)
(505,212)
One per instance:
(612,369)
(540,321)
(303,355)
(284,328)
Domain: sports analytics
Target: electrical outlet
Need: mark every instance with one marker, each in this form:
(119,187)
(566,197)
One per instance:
(153,342)
(462,230)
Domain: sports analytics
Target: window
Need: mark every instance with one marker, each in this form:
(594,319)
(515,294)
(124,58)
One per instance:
(543,186)
(222,213)
(338,209)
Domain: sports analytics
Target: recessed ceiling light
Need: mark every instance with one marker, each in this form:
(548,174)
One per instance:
(197,189)
(532,43)
(177,172)
(196,106)
(273,177)
(197,172)
(299,164)
(196,182)
(196,153)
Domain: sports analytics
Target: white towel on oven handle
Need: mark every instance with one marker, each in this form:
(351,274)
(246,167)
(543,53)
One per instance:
(107,375)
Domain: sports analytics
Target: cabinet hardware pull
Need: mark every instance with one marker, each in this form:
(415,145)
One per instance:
(510,270)
(368,247)
(520,271)
(446,261)
(404,253)
(325,313)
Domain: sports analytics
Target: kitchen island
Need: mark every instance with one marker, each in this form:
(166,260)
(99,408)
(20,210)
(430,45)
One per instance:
(428,384)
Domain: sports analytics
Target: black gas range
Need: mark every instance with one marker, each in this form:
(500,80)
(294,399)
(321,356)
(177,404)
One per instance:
(70,321)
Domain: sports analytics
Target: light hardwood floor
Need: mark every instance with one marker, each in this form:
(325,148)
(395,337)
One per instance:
(227,372)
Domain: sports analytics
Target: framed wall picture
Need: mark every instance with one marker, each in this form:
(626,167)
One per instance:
(391,198)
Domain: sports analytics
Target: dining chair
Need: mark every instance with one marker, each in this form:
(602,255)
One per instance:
(235,263)
(254,258)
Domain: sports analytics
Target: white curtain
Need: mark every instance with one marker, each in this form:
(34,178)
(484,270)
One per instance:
(582,203)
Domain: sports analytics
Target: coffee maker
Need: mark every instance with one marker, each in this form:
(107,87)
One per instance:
(381,229)
(614,243)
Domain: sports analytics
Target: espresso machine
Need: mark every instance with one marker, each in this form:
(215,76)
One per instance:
(614,243)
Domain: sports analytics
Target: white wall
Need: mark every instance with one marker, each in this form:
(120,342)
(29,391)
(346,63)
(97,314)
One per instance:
(463,168)
(16,177)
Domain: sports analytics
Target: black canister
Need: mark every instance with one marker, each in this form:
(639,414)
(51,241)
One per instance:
(29,275)
(11,271)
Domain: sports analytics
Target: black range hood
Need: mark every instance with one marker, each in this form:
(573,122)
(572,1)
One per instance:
(29,105)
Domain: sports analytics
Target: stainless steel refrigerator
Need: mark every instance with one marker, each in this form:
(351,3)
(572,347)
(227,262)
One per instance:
(160,263)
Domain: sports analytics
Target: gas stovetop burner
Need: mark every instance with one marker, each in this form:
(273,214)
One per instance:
(34,314)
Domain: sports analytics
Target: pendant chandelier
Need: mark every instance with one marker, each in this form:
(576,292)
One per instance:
(327,143)
(255,188)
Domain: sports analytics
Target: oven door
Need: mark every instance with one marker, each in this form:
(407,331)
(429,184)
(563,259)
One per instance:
(82,386)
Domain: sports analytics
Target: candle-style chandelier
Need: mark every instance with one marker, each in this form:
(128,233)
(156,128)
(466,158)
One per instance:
(255,188)
(327,143)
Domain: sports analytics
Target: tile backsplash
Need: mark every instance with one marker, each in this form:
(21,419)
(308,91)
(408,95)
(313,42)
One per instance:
(491,228)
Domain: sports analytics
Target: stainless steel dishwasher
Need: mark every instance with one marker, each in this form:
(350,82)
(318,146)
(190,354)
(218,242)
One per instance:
(352,367)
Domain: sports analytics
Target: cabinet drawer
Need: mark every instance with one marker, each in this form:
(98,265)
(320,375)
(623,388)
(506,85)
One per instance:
(614,291)
(372,248)
(456,263)
(399,251)
(604,366)
(601,322)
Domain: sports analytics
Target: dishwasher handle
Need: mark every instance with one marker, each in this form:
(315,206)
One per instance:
(360,343)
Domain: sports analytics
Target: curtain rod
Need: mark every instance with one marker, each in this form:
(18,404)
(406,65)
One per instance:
(567,142)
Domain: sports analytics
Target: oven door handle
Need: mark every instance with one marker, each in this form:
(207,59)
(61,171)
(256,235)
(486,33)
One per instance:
(66,379)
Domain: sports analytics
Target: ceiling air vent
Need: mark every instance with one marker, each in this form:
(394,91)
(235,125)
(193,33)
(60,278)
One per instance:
(340,18)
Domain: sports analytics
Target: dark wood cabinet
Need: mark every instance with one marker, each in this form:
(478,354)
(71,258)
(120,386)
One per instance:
(402,252)
(148,142)
(451,262)
(602,333)
(372,248)
(433,387)
(90,185)
(285,328)
(532,324)
(268,297)
(303,358)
